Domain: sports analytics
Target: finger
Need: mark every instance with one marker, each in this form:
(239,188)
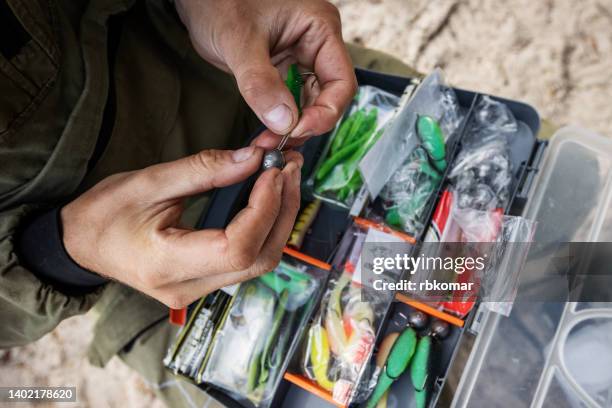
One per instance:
(336,79)
(272,249)
(269,140)
(183,293)
(294,156)
(289,208)
(197,173)
(206,252)
(247,232)
(262,87)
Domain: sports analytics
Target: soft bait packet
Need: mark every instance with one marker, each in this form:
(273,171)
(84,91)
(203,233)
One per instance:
(433,99)
(405,168)
(339,345)
(499,243)
(187,355)
(336,177)
(260,330)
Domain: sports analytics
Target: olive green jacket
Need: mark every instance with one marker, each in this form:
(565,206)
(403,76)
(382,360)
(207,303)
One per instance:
(169,103)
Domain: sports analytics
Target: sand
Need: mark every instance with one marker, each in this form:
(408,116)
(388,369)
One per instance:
(555,55)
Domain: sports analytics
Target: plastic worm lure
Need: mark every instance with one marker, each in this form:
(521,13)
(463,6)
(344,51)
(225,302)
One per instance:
(304,221)
(401,353)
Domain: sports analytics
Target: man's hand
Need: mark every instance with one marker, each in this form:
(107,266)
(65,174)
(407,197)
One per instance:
(253,39)
(127,226)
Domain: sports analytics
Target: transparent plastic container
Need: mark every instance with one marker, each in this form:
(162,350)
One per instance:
(552,354)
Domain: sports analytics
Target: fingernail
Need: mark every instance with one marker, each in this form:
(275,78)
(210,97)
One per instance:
(279,118)
(243,154)
(278,182)
(300,134)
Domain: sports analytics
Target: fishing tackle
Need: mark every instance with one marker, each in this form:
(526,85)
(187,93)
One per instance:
(354,137)
(418,320)
(333,316)
(433,140)
(413,184)
(303,223)
(439,329)
(401,353)
(419,370)
(273,158)
(320,356)
(419,367)
(381,358)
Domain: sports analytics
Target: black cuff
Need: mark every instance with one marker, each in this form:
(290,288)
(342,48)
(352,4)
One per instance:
(41,249)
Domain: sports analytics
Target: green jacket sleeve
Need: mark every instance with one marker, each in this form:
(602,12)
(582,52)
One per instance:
(54,87)
(28,307)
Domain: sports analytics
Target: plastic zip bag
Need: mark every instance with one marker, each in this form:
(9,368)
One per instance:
(482,173)
(337,351)
(260,330)
(433,99)
(336,177)
(423,124)
(187,355)
(504,241)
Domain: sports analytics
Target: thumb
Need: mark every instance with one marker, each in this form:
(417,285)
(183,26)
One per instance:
(263,88)
(200,172)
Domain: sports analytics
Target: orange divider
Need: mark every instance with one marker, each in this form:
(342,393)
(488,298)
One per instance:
(178,317)
(430,310)
(362,222)
(307,258)
(312,388)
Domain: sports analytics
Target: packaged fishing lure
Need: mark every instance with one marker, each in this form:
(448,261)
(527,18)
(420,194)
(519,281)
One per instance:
(260,329)
(187,355)
(501,243)
(404,170)
(340,341)
(336,177)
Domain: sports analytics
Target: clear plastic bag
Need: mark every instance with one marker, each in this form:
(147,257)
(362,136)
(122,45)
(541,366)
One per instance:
(336,177)
(261,328)
(503,241)
(482,173)
(433,99)
(341,339)
(187,355)
(431,116)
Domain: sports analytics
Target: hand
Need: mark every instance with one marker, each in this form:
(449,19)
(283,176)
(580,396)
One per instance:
(254,39)
(127,226)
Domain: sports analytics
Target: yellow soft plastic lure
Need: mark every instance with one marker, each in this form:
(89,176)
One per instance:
(303,223)
(320,356)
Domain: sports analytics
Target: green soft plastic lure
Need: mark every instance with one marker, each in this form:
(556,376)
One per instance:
(342,133)
(399,358)
(354,137)
(295,82)
(286,278)
(433,141)
(419,370)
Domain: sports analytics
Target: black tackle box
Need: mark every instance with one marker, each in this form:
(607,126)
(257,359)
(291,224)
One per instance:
(472,363)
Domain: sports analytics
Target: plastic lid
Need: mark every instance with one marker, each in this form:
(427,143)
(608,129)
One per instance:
(543,354)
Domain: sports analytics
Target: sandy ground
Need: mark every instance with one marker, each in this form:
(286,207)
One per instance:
(553,54)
